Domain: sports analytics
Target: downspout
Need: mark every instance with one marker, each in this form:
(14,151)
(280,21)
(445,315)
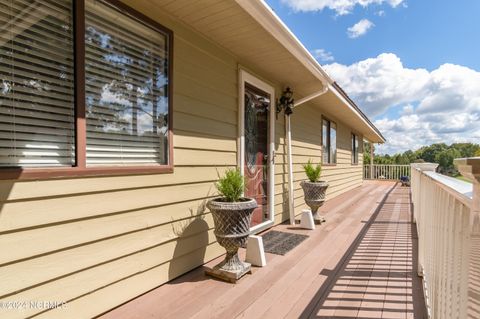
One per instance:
(288,137)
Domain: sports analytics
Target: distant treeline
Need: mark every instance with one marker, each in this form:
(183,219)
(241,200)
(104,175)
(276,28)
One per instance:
(440,153)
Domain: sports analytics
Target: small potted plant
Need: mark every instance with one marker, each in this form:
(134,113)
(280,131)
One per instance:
(314,189)
(231,215)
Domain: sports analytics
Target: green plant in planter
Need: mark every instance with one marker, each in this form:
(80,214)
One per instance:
(232,214)
(231,185)
(314,189)
(312,172)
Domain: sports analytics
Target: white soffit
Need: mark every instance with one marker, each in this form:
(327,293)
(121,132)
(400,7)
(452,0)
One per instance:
(257,38)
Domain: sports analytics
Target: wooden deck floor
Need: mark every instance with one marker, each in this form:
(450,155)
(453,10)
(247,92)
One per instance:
(359,264)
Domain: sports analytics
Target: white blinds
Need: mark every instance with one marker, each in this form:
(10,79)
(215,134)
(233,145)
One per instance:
(36,83)
(126,89)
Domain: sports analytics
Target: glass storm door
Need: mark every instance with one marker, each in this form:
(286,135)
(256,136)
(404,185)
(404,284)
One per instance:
(257,105)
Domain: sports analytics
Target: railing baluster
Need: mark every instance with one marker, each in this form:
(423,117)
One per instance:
(386,171)
(447,215)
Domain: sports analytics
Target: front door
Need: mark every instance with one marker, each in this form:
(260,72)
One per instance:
(257,107)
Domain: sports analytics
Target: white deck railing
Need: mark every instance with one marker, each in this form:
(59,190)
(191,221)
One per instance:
(447,213)
(385,171)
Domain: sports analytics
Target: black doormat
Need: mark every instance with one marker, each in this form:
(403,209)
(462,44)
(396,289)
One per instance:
(280,243)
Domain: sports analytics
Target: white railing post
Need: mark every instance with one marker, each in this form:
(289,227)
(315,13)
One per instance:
(470,169)
(421,195)
(425,167)
(371,160)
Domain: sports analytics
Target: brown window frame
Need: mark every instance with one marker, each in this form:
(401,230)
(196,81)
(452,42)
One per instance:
(80,168)
(329,143)
(355,146)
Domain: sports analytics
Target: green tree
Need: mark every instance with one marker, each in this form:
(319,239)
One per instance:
(366,153)
(427,153)
(410,155)
(466,149)
(445,160)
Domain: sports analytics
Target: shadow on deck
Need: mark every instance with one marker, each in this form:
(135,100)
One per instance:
(377,276)
(360,264)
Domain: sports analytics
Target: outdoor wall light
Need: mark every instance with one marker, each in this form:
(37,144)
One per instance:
(286,102)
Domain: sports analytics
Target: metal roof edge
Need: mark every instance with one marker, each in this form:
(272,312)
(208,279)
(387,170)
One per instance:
(270,21)
(359,111)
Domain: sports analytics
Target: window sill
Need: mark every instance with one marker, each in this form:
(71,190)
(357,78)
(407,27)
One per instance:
(72,172)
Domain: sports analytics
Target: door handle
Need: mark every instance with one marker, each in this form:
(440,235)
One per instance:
(266,157)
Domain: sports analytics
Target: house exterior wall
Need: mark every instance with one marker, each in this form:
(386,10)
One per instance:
(98,242)
(307,144)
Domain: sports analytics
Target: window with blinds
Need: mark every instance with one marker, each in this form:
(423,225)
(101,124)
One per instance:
(325,142)
(126,64)
(354,149)
(37,121)
(329,142)
(333,142)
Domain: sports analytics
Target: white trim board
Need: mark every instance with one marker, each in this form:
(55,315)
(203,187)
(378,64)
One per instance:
(246,77)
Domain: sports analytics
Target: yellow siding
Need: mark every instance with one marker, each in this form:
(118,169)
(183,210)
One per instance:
(307,144)
(98,242)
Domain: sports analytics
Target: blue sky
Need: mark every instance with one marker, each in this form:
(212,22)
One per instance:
(412,66)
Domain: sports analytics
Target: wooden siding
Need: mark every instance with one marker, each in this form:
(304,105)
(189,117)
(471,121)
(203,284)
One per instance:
(96,243)
(307,144)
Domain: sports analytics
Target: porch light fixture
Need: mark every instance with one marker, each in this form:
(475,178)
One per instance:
(286,102)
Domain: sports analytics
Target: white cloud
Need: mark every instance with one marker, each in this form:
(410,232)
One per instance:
(378,83)
(111,97)
(442,105)
(360,28)
(341,7)
(414,131)
(380,13)
(322,55)
(407,109)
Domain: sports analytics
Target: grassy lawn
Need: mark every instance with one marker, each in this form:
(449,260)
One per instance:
(460,177)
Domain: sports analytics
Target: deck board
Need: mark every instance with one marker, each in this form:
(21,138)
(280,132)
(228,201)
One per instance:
(360,264)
